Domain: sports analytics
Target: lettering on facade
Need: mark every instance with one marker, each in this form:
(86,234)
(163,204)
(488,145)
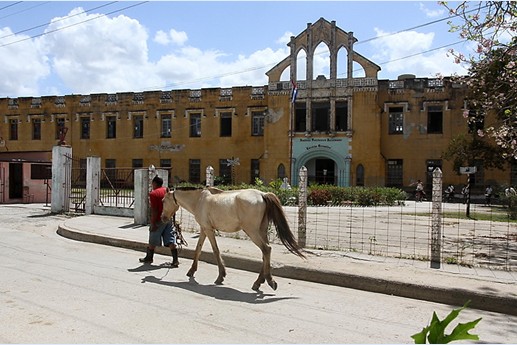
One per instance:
(319,146)
(321,139)
(167,147)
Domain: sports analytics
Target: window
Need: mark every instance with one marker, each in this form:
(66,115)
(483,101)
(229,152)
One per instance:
(255,170)
(280,171)
(166,164)
(85,127)
(394,172)
(109,172)
(434,119)
(36,129)
(111,127)
(137,163)
(60,128)
(13,129)
(194,170)
(225,171)
(41,171)
(341,116)
(166,126)
(359,172)
(195,125)
(226,124)
(300,117)
(138,125)
(257,123)
(320,117)
(396,120)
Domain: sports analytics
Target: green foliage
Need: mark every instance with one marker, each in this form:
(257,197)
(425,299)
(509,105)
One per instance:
(318,195)
(362,196)
(435,332)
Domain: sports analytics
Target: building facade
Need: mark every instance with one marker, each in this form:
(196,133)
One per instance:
(347,129)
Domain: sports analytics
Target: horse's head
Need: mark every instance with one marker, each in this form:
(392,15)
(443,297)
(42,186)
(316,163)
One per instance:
(170,205)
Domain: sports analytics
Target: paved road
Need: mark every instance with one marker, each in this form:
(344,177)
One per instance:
(65,291)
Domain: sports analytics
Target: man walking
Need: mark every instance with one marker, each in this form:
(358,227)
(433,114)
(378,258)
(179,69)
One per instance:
(159,230)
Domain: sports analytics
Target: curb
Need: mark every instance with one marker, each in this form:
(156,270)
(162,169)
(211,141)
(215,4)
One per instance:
(454,296)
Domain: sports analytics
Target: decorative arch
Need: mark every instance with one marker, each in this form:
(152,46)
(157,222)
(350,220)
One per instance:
(342,163)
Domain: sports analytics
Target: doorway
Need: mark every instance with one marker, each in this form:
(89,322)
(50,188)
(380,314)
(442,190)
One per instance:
(325,171)
(15,180)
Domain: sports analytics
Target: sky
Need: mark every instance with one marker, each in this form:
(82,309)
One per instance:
(84,47)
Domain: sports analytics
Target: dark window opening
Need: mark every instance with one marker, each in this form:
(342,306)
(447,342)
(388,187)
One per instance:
(341,116)
(394,173)
(300,117)
(194,170)
(226,124)
(320,117)
(435,119)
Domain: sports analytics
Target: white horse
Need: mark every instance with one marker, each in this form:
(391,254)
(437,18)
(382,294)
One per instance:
(248,209)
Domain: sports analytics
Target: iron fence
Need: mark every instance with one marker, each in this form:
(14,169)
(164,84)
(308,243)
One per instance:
(404,231)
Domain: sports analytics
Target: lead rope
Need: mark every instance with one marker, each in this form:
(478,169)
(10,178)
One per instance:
(180,240)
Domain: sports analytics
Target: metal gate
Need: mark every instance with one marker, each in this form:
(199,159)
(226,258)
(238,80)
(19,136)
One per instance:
(75,185)
(117,187)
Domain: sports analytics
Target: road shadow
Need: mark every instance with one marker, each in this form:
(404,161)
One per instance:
(218,291)
(148,268)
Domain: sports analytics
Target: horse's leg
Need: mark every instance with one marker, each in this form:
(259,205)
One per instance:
(260,239)
(215,249)
(197,253)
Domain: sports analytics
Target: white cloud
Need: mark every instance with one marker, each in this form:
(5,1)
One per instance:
(285,38)
(176,37)
(401,54)
(22,65)
(99,55)
(432,13)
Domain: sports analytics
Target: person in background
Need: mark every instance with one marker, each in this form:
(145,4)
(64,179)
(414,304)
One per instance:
(465,193)
(449,193)
(488,195)
(159,230)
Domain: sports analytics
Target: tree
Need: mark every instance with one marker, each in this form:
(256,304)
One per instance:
(465,149)
(492,72)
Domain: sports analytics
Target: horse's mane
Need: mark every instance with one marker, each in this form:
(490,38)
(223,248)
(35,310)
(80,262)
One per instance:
(188,188)
(214,190)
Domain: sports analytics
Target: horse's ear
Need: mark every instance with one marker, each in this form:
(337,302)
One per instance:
(168,190)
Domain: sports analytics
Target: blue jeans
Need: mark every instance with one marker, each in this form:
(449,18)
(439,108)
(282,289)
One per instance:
(164,231)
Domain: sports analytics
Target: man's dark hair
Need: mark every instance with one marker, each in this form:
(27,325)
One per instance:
(158,180)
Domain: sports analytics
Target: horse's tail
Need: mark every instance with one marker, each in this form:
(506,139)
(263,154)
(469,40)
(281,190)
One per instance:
(275,213)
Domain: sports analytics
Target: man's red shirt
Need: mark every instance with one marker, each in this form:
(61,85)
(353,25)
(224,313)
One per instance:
(155,198)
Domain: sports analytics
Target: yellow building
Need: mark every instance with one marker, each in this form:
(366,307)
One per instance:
(352,130)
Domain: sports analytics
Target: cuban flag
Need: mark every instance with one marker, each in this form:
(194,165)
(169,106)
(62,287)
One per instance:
(294,91)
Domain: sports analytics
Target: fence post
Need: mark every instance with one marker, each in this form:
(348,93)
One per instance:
(302,207)
(93,182)
(143,178)
(436,214)
(209,176)
(61,179)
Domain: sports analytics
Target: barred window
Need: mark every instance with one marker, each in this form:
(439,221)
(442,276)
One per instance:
(257,118)
(396,120)
(395,173)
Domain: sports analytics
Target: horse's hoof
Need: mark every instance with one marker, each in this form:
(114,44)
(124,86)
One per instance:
(255,287)
(273,284)
(219,282)
(190,274)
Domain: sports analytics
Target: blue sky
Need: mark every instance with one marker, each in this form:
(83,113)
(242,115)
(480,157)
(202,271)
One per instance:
(65,47)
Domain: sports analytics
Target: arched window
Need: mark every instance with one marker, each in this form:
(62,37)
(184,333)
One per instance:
(359,173)
(281,171)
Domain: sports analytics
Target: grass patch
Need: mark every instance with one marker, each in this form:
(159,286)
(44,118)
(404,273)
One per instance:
(494,217)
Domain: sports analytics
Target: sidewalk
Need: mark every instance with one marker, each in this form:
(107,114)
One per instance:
(487,289)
